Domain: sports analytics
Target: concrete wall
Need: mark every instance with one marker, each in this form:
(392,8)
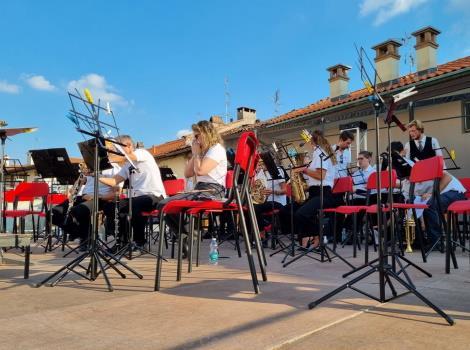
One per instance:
(176,163)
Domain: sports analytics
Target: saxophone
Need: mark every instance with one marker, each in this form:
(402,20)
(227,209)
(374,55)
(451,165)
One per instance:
(257,191)
(298,182)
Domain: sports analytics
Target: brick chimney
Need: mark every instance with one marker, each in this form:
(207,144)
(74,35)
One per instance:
(217,120)
(246,114)
(387,60)
(426,48)
(339,80)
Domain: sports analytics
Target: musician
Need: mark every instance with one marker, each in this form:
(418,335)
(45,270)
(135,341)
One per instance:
(420,146)
(275,190)
(342,151)
(208,164)
(451,190)
(146,184)
(306,220)
(79,220)
(360,178)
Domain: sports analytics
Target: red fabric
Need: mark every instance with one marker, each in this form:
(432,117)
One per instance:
(350,209)
(32,189)
(151,213)
(409,206)
(173,187)
(459,207)
(372,209)
(384,180)
(427,169)
(466,183)
(271,212)
(343,185)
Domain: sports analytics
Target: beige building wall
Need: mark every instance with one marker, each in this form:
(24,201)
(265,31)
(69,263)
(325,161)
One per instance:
(176,163)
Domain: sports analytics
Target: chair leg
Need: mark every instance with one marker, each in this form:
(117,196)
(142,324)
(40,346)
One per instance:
(180,248)
(27,255)
(158,271)
(199,237)
(191,243)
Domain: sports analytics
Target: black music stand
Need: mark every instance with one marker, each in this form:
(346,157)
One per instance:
(275,173)
(85,114)
(87,149)
(54,163)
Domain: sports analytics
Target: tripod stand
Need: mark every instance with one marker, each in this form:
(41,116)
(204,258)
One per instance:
(386,271)
(96,253)
(323,250)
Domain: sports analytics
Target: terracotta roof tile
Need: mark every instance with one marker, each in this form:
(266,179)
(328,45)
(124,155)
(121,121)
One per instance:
(409,79)
(358,94)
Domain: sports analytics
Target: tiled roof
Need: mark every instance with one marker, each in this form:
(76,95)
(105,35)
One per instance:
(321,105)
(359,94)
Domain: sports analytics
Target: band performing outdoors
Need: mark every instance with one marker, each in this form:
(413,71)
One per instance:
(297,198)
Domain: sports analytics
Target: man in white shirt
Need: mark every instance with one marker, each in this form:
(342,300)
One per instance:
(146,188)
(420,146)
(343,153)
(451,190)
(79,220)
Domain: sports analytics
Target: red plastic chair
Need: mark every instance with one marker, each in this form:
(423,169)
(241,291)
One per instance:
(245,161)
(173,187)
(466,183)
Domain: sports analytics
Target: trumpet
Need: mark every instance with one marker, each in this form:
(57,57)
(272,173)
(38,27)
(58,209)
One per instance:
(410,231)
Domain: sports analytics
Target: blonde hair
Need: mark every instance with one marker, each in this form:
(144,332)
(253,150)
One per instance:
(320,140)
(416,123)
(210,134)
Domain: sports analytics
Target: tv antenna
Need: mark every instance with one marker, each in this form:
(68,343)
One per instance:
(409,59)
(277,101)
(227,100)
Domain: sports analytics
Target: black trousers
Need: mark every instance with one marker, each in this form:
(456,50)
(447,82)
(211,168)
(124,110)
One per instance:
(264,208)
(79,222)
(306,217)
(139,204)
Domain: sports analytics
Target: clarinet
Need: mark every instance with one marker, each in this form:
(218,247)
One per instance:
(116,213)
(74,192)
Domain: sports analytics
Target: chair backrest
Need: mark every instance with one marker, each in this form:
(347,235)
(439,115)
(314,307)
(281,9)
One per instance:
(246,155)
(173,187)
(246,158)
(384,180)
(465,181)
(427,169)
(343,185)
(229,180)
(56,198)
(31,190)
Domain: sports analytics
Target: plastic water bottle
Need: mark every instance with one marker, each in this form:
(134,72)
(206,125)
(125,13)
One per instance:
(214,252)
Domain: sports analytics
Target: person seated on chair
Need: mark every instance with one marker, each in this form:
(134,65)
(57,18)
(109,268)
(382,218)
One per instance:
(342,150)
(79,220)
(208,164)
(451,190)
(360,178)
(275,192)
(320,172)
(420,146)
(147,189)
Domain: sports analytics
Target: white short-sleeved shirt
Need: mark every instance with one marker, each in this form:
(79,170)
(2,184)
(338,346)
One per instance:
(147,180)
(454,185)
(270,184)
(343,159)
(217,175)
(318,164)
(103,190)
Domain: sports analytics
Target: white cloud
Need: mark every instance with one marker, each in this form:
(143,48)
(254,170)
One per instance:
(385,10)
(8,88)
(99,88)
(38,82)
(183,132)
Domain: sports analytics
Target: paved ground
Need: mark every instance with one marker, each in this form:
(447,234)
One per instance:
(215,307)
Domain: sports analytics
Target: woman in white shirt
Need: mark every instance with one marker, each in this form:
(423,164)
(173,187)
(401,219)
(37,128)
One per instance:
(320,172)
(208,164)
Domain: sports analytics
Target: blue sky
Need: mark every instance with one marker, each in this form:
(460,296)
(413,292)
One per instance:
(162,64)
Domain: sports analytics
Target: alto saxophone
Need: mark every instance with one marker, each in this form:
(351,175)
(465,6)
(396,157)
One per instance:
(410,226)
